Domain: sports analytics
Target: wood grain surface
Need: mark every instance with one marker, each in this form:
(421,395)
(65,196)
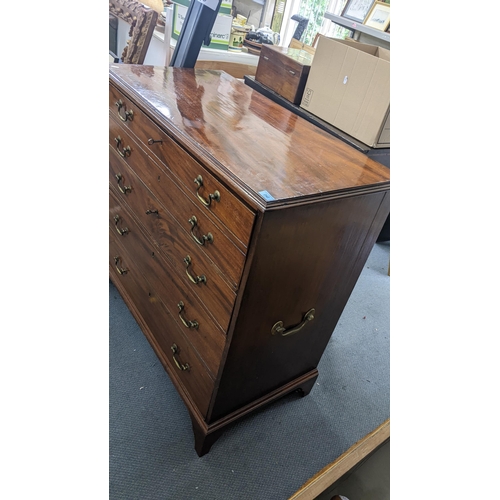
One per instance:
(297,216)
(207,338)
(270,155)
(284,70)
(173,159)
(159,326)
(222,250)
(305,257)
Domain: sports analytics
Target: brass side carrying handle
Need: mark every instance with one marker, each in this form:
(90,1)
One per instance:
(197,279)
(212,196)
(123,231)
(126,151)
(278,327)
(206,237)
(125,189)
(181,367)
(119,269)
(128,115)
(187,324)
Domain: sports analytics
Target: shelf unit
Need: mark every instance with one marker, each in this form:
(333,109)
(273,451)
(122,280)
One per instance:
(362,33)
(161,50)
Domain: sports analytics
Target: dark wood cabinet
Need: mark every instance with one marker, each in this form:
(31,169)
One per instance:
(237,233)
(284,70)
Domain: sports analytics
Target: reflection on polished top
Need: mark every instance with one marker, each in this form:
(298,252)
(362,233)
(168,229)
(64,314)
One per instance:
(299,55)
(270,154)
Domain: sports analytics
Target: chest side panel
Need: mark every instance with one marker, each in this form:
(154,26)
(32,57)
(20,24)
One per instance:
(307,257)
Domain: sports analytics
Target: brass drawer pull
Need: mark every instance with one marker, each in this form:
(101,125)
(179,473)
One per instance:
(125,189)
(279,329)
(181,367)
(187,324)
(124,231)
(198,279)
(120,269)
(126,151)
(215,196)
(128,115)
(206,237)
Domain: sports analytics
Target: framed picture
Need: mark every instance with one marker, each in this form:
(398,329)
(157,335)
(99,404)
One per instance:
(357,10)
(142,20)
(379,16)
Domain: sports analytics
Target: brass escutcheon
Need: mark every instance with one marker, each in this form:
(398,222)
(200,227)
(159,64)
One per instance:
(152,141)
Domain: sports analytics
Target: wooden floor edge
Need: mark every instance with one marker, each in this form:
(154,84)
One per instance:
(334,471)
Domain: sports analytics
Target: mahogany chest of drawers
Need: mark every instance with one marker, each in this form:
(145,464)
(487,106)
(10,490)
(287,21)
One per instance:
(237,233)
(284,70)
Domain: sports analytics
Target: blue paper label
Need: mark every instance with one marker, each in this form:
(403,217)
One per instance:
(266,196)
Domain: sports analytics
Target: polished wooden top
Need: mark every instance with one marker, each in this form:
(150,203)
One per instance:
(269,154)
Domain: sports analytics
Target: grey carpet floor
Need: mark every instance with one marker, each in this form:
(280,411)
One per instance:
(270,454)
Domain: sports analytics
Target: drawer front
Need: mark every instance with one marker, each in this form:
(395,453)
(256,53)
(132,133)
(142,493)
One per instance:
(193,220)
(195,379)
(178,248)
(186,309)
(200,275)
(229,210)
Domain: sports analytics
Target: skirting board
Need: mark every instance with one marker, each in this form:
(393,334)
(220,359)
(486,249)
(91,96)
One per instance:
(334,471)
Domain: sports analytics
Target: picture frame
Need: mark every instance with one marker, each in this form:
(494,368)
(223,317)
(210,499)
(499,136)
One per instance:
(357,10)
(142,20)
(379,16)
